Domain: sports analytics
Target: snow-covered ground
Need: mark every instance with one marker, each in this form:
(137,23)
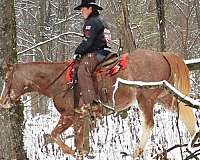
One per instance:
(111,137)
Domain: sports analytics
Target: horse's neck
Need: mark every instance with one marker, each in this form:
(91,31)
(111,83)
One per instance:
(40,77)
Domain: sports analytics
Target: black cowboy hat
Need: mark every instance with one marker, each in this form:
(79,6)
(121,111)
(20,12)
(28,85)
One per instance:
(88,3)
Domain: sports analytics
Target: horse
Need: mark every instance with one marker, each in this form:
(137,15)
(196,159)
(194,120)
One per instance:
(49,79)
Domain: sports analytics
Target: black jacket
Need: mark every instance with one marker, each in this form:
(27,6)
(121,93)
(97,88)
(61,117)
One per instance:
(94,40)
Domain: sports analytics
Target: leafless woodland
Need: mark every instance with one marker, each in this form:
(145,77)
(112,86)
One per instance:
(46,30)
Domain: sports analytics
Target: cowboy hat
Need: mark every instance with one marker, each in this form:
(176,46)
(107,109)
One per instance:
(88,3)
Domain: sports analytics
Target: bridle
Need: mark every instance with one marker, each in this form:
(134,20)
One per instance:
(9,81)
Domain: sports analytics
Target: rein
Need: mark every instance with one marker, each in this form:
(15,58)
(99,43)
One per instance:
(59,75)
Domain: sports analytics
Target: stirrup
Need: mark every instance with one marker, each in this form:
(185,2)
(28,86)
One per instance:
(80,110)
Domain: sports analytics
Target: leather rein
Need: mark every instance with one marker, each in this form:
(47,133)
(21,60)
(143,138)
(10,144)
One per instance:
(59,75)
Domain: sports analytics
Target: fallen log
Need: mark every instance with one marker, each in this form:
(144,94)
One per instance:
(193,64)
(161,84)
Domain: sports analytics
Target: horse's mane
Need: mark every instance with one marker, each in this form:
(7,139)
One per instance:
(42,62)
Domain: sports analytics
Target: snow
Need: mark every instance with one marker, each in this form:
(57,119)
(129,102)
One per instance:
(192,61)
(112,136)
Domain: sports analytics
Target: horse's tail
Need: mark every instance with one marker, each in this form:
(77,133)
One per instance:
(179,72)
(180,78)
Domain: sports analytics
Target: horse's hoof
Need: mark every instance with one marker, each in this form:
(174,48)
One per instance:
(79,158)
(90,156)
(77,154)
(69,152)
(137,154)
(84,152)
(136,158)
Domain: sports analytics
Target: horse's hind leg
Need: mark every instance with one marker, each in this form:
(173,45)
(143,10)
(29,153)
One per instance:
(146,107)
(64,123)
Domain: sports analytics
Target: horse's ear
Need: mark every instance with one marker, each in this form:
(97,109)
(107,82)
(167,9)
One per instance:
(7,64)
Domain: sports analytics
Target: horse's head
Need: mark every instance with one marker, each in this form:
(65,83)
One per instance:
(12,87)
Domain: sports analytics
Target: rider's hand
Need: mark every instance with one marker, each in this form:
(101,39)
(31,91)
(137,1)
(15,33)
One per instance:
(77,57)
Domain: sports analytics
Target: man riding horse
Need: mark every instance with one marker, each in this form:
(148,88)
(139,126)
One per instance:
(92,50)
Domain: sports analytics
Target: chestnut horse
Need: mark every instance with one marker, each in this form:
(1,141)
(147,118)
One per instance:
(142,65)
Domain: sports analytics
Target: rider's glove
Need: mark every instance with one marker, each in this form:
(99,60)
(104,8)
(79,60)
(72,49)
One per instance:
(77,57)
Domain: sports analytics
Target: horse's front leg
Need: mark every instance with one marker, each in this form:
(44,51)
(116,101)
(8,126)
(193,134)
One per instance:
(147,113)
(63,124)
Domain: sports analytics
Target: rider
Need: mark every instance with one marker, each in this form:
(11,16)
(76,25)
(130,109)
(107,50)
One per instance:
(92,50)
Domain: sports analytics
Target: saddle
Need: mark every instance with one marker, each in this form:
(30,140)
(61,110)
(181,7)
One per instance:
(111,65)
(109,61)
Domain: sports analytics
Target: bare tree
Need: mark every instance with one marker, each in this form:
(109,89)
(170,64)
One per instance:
(38,102)
(11,137)
(41,20)
(161,22)
(197,8)
(125,33)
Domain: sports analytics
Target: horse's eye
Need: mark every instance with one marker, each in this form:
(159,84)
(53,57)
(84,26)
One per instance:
(6,80)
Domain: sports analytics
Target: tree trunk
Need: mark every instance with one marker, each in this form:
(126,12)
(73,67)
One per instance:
(40,28)
(161,22)
(128,43)
(38,102)
(197,8)
(63,14)
(11,137)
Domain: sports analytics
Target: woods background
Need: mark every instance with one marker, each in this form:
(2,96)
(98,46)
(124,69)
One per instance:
(161,25)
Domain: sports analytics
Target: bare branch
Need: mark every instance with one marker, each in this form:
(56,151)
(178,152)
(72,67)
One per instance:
(49,40)
(161,84)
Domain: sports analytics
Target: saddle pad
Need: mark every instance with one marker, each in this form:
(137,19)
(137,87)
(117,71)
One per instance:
(109,70)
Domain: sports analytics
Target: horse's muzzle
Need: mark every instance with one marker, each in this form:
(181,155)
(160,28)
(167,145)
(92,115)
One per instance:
(4,103)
